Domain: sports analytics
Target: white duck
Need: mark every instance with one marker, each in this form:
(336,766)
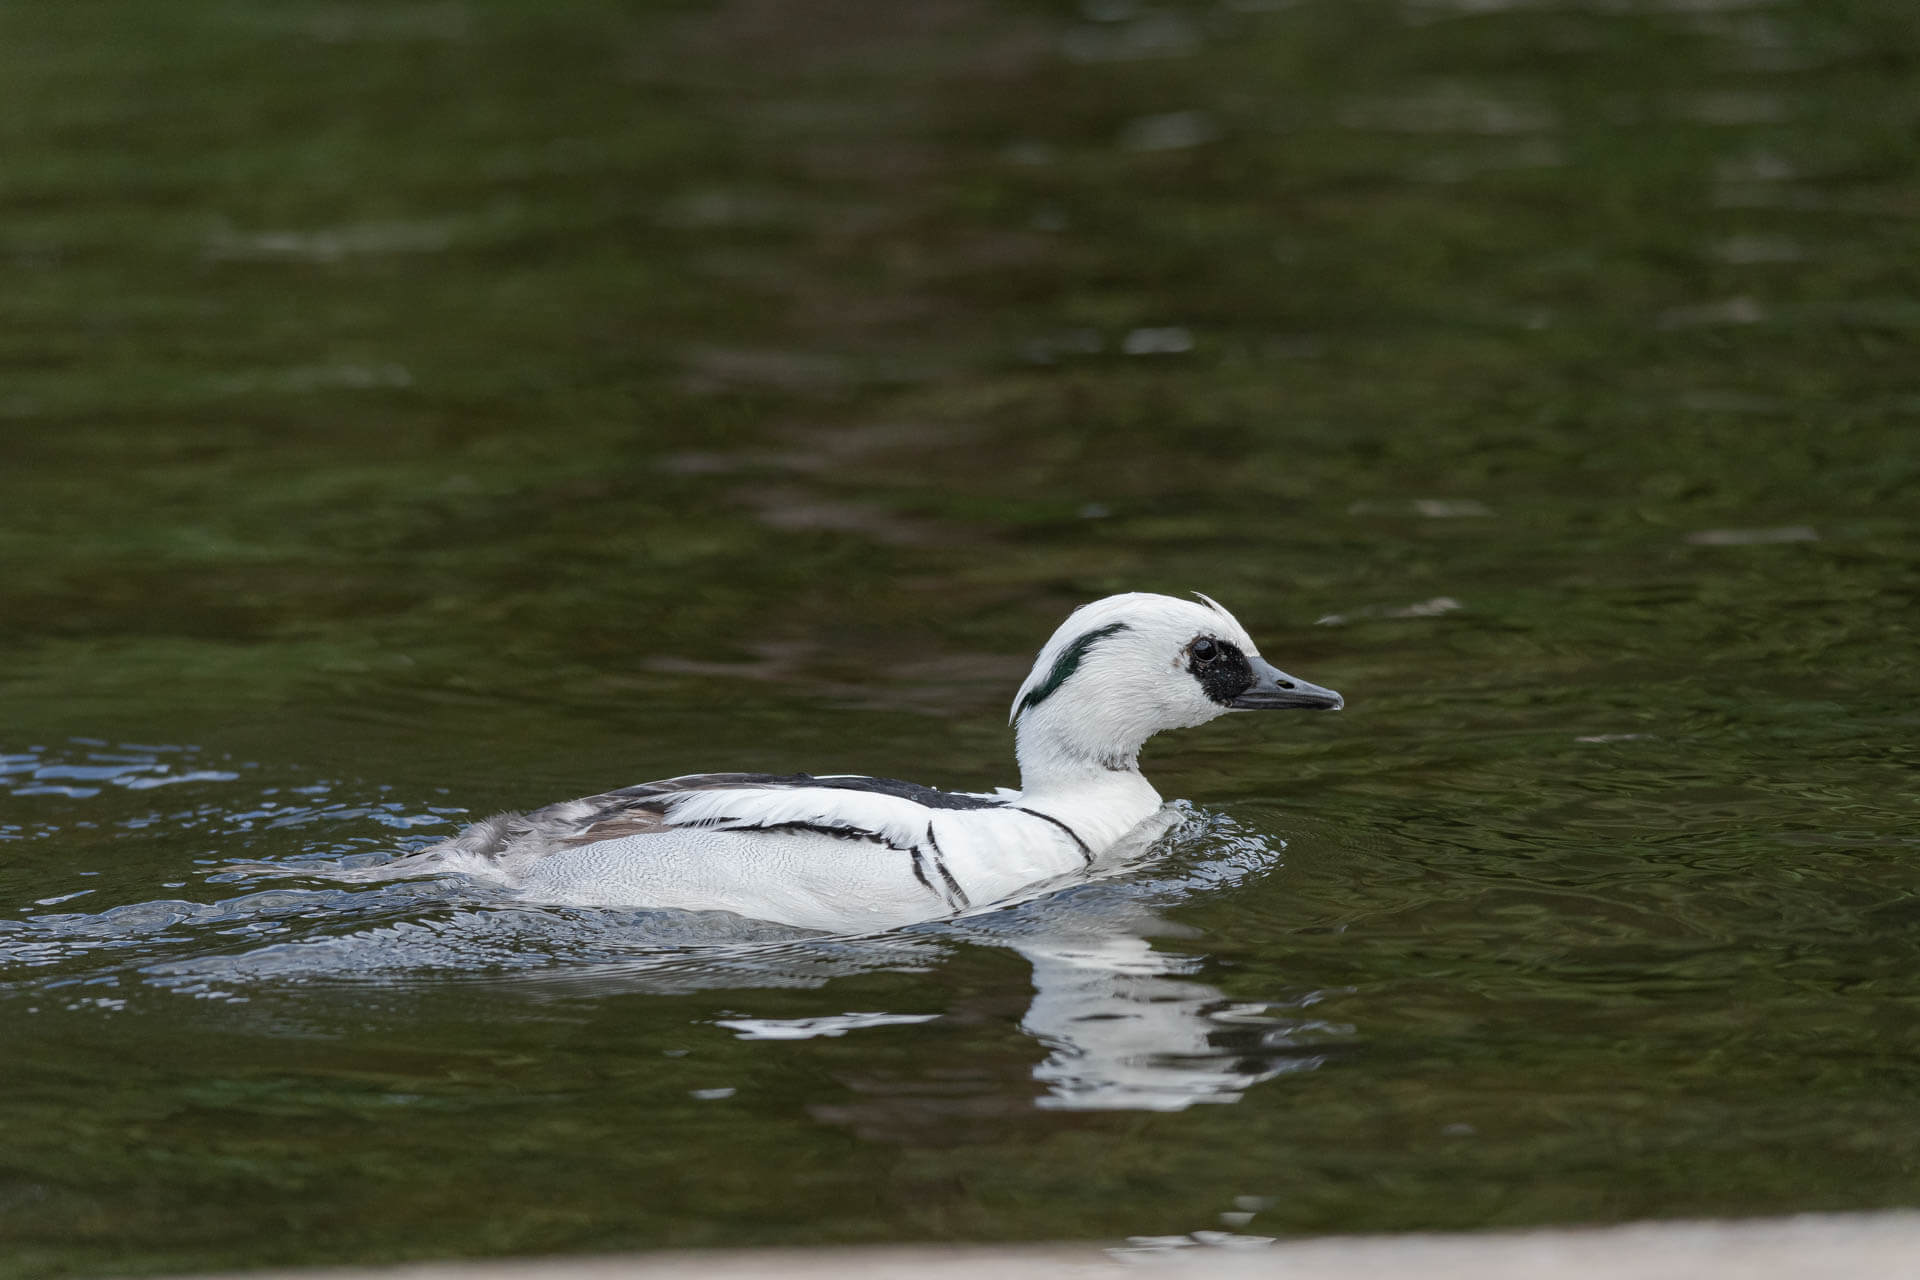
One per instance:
(845,853)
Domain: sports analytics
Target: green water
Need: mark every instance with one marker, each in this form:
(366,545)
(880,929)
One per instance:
(409,411)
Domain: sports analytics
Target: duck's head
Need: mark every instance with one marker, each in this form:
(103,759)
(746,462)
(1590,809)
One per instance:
(1120,670)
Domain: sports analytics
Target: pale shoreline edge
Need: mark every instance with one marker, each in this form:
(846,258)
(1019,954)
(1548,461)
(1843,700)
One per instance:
(1801,1247)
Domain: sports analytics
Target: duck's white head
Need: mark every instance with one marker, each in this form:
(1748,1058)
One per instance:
(1120,670)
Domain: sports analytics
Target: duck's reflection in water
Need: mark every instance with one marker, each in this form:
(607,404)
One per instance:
(1124,1025)
(1126,1021)
(1126,1029)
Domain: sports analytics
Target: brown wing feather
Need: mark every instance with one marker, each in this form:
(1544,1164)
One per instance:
(614,828)
(640,809)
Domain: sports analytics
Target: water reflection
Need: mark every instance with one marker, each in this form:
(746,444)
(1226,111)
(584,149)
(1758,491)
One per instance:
(1129,1030)
(837,1024)
(91,764)
(1125,1022)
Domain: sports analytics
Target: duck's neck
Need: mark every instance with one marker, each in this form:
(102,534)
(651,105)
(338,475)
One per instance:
(1053,759)
(1100,795)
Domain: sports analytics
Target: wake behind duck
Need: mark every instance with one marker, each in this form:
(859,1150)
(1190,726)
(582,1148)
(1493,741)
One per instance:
(844,854)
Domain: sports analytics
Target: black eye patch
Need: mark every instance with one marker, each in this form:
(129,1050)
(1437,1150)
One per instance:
(1222,670)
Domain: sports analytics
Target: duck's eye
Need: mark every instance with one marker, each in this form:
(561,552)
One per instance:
(1204,651)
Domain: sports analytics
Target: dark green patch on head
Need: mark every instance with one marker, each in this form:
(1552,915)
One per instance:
(1066,664)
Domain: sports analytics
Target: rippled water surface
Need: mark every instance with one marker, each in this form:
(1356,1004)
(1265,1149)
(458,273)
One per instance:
(414,411)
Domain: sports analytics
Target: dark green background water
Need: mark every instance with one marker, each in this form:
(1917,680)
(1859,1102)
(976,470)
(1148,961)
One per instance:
(415,410)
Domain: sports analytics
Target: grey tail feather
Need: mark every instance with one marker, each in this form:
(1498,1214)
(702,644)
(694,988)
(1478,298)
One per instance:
(492,837)
(487,838)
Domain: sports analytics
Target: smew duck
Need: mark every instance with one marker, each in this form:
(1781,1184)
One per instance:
(846,853)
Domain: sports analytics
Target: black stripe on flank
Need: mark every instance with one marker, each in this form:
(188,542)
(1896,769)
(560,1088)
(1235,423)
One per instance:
(1067,663)
(953,887)
(822,829)
(959,899)
(920,873)
(1071,833)
(958,896)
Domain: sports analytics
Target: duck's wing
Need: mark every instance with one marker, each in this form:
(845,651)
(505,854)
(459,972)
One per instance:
(884,810)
